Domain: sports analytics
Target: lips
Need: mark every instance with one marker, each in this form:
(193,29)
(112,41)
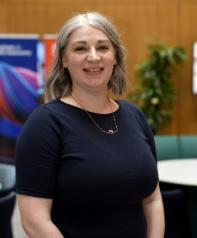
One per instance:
(93,70)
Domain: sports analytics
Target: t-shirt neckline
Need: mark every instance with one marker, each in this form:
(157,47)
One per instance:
(81,109)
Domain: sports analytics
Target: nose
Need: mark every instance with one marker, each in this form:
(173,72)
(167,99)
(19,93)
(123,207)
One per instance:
(93,55)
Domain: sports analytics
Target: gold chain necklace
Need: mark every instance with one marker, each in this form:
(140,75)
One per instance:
(108,131)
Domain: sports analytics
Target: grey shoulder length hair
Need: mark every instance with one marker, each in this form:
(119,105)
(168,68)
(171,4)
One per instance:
(59,82)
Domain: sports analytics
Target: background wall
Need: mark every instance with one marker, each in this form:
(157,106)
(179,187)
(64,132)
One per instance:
(170,21)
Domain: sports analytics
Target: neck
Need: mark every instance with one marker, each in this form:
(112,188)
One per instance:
(95,102)
(109,131)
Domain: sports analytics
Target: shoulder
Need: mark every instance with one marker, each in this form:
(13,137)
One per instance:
(40,128)
(46,107)
(44,111)
(43,118)
(133,110)
(140,119)
(130,107)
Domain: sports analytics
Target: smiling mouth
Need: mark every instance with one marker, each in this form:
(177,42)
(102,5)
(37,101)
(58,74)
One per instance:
(93,70)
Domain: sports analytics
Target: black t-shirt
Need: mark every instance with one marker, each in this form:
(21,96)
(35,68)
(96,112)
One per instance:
(97,181)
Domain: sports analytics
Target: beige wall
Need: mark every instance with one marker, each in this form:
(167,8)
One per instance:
(171,21)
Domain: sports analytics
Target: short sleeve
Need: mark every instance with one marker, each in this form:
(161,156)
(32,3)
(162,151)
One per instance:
(146,129)
(37,153)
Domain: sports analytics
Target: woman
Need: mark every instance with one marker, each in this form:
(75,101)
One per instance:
(85,163)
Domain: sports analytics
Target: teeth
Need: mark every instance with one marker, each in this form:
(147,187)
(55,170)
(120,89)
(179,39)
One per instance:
(93,70)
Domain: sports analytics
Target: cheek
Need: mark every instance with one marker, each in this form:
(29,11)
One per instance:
(111,62)
(112,58)
(70,60)
(73,65)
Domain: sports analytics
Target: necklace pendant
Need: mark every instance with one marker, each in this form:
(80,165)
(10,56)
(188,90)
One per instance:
(110,131)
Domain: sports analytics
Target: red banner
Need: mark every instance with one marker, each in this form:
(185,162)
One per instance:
(49,48)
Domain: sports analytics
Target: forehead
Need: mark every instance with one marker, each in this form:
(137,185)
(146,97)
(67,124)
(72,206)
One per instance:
(87,33)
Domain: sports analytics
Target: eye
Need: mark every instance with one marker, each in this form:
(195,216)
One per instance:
(103,47)
(80,49)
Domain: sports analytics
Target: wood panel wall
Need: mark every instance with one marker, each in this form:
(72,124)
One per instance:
(170,21)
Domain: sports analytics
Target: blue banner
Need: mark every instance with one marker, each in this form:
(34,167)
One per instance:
(21,84)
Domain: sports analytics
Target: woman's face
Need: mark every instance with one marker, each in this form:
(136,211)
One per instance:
(89,58)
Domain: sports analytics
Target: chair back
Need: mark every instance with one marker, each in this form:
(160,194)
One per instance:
(167,147)
(188,146)
(7,203)
(7,179)
(176,214)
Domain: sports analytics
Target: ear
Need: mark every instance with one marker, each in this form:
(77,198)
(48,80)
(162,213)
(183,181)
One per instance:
(64,62)
(115,60)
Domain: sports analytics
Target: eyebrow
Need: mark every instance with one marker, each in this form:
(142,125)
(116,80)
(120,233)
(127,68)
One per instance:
(85,42)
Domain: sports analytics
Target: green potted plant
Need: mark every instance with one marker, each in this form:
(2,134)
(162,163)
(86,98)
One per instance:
(155,92)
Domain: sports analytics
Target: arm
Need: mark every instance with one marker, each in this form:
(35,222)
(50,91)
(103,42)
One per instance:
(154,214)
(37,156)
(35,217)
